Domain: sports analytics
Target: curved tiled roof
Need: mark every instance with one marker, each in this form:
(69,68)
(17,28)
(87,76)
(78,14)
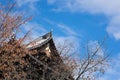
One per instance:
(40,41)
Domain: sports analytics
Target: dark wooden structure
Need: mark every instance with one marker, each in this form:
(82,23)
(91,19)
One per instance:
(46,63)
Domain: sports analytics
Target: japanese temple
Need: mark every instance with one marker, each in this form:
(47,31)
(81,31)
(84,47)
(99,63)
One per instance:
(47,61)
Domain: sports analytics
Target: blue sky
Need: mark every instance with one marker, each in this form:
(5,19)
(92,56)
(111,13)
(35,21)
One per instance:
(79,21)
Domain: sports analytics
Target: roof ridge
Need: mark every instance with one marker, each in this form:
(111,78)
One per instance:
(45,38)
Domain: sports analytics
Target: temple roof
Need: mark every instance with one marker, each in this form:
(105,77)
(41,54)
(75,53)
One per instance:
(40,41)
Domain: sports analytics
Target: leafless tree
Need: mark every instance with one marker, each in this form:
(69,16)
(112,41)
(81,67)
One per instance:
(11,49)
(92,63)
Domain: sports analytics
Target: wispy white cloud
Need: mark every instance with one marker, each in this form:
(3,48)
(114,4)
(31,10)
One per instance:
(36,30)
(30,4)
(64,28)
(114,27)
(51,1)
(67,29)
(24,2)
(68,39)
(109,8)
(112,72)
